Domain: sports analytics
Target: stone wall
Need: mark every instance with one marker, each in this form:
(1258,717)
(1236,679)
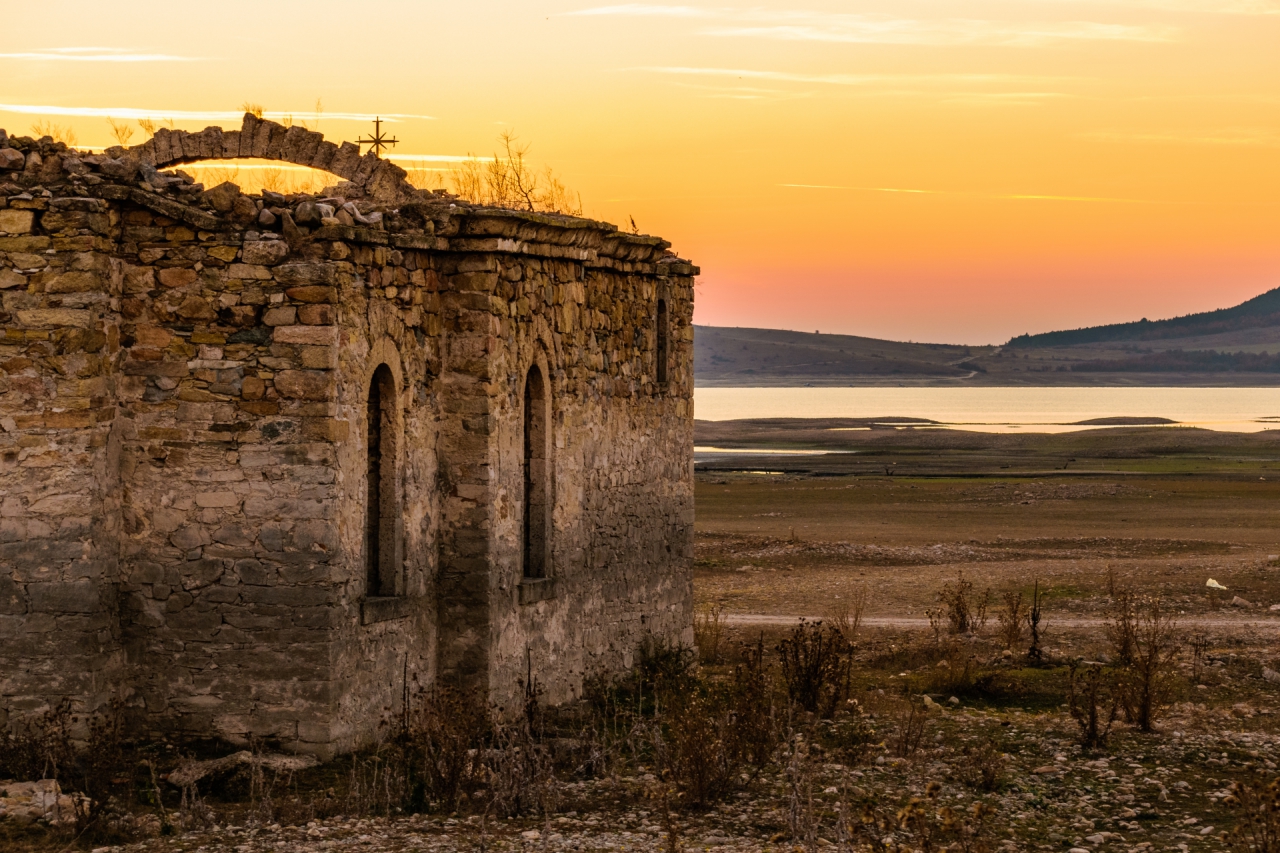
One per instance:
(184,375)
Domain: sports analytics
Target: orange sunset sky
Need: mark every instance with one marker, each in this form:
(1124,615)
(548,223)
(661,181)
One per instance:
(950,170)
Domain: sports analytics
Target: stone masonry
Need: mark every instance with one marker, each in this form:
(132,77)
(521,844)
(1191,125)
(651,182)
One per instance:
(270,463)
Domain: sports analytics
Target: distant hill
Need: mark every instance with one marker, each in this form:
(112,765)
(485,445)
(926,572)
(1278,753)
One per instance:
(1231,346)
(732,356)
(1260,312)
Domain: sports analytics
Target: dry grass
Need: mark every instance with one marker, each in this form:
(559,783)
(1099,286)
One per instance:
(507,180)
(58,132)
(708,633)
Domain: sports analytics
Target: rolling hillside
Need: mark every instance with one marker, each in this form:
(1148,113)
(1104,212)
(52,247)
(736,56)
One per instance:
(1231,346)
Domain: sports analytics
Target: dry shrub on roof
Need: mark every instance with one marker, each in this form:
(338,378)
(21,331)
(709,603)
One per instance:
(507,180)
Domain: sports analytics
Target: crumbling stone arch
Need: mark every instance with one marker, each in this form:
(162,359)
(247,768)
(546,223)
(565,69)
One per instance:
(268,140)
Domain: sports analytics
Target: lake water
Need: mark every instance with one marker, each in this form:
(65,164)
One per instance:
(1022,409)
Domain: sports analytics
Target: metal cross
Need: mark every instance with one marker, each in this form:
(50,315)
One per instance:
(378,141)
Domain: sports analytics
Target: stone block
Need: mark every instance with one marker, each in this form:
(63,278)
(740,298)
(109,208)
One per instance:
(311,335)
(55,317)
(217,500)
(72,282)
(177,277)
(284,315)
(16,221)
(265,253)
(304,384)
(12,597)
(316,315)
(74,597)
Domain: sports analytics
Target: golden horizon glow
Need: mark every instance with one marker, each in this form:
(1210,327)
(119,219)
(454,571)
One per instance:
(951,170)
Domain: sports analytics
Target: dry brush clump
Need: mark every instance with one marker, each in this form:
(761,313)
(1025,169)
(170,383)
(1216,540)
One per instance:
(922,825)
(708,633)
(507,180)
(1144,638)
(1093,701)
(817,667)
(846,614)
(1256,802)
(985,766)
(1010,617)
(960,607)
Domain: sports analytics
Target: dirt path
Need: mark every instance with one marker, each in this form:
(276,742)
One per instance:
(1268,623)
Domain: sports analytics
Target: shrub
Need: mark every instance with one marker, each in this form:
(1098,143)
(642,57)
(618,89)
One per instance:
(1257,801)
(1122,627)
(817,667)
(1148,680)
(911,721)
(984,766)
(698,748)
(39,747)
(846,615)
(754,693)
(708,633)
(923,825)
(965,610)
(1034,617)
(439,745)
(663,664)
(1094,704)
(1012,614)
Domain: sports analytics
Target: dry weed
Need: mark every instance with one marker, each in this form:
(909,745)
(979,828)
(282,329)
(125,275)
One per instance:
(508,181)
(1148,683)
(1257,801)
(708,633)
(817,667)
(846,614)
(1011,616)
(963,607)
(1094,703)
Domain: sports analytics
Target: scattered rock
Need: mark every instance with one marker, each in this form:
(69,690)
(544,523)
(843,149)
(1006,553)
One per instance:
(11,160)
(1240,602)
(1270,675)
(28,802)
(194,771)
(222,197)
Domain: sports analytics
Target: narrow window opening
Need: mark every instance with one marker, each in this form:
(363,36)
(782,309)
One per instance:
(379,531)
(664,337)
(536,479)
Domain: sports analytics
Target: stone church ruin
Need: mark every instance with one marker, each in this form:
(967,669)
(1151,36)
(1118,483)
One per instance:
(268,463)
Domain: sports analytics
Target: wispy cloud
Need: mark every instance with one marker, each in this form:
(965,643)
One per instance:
(645,10)
(995,197)
(1205,7)
(95,54)
(957,88)
(845,79)
(431,158)
(1246,137)
(190,115)
(847,28)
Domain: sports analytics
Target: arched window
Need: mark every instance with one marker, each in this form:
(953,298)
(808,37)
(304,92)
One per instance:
(536,475)
(664,338)
(380,485)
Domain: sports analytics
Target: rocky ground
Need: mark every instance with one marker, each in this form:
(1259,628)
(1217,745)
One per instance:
(1161,792)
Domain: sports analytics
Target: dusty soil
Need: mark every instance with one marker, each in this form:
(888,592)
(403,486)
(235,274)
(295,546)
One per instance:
(904,511)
